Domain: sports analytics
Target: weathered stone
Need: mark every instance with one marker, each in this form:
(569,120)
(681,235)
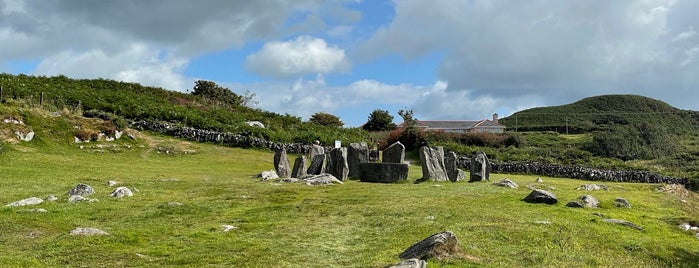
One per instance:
(51,198)
(539,180)
(25,137)
(394,153)
(337,163)
(318,165)
(87,231)
(621,202)
(255,124)
(451,167)
(316,149)
(82,190)
(227,228)
(356,153)
(299,167)
(623,223)
(589,201)
(480,167)
(112,183)
(575,204)
(80,198)
(411,263)
(507,183)
(267,175)
(291,180)
(440,246)
(592,187)
(281,164)
(541,196)
(432,164)
(685,226)
(121,192)
(26,202)
(38,210)
(374,155)
(321,179)
(383,172)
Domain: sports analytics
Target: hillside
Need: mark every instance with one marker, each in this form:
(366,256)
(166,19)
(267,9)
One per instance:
(594,113)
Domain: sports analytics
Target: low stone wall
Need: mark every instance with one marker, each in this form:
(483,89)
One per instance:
(575,172)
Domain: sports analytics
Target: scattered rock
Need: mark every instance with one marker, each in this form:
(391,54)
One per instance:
(112,183)
(575,204)
(121,192)
(255,124)
(281,164)
(507,183)
(592,187)
(290,180)
(543,222)
(322,179)
(411,263)
(267,175)
(25,137)
(51,198)
(174,204)
(685,226)
(299,167)
(432,161)
(440,246)
(80,198)
(621,202)
(38,210)
(26,202)
(383,172)
(480,168)
(589,201)
(227,227)
(539,180)
(394,153)
(623,222)
(87,231)
(82,190)
(541,196)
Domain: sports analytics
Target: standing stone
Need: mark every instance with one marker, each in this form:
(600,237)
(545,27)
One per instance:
(432,168)
(337,163)
(356,153)
(317,166)
(316,149)
(453,172)
(281,164)
(299,167)
(394,153)
(480,167)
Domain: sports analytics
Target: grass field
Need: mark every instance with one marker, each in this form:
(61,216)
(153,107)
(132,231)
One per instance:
(293,225)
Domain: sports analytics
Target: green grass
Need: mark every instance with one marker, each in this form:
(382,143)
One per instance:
(293,225)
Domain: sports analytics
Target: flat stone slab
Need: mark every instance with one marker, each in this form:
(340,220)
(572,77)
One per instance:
(383,172)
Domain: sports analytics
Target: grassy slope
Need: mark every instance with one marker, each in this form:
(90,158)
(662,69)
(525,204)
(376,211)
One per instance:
(290,225)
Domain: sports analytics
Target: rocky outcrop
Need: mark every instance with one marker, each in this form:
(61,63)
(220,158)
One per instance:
(322,179)
(87,231)
(410,263)
(622,203)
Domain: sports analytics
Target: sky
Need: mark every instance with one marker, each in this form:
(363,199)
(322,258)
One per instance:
(443,59)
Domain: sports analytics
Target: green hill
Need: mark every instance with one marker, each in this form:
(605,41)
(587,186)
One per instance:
(594,113)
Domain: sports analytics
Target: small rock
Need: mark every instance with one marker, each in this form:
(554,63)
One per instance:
(543,222)
(621,202)
(541,196)
(267,175)
(38,210)
(227,227)
(82,190)
(440,246)
(623,222)
(429,217)
(290,180)
(592,187)
(322,179)
(51,198)
(112,183)
(539,180)
(697,235)
(685,226)
(26,202)
(411,263)
(87,231)
(121,192)
(589,201)
(79,198)
(575,204)
(507,183)
(174,204)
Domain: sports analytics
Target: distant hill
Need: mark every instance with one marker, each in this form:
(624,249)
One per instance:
(595,113)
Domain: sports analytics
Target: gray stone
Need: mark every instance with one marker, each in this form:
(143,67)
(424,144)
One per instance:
(623,223)
(26,202)
(87,231)
(337,163)
(291,180)
(79,198)
(621,202)
(281,164)
(394,153)
(25,137)
(374,155)
(112,183)
(316,149)
(51,198)
(451,167)
(507,183)
(432,161)
(38,210)
(383,172)
(318,165)
(227,228)
(539,180)
(267,175)
(321,179)
(541,196)
(411,263)
(82,190)
(299,167)
(255,124)
(121,192)
(575,204)
(480,167)
(440,246)
(356,153)
(589,201)
(592,187)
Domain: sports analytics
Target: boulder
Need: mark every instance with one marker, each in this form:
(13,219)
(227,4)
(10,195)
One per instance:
(451,166)
(267,175)
(394,153)
(621,202)
(356,153)
(575,204)
(337,163)
(321,179)
(26,202)
(318,165)
(383,172)
(432,164)
(440,246)
(507,183)
(589,201)
(541,196)
(299,167)
(82,190)
(121,192)
(411,263)
(480,167)
(87,231)
(281,164)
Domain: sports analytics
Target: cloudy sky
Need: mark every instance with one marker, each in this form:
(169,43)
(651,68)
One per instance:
(444,59)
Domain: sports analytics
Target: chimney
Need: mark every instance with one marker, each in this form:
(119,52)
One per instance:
(495,118)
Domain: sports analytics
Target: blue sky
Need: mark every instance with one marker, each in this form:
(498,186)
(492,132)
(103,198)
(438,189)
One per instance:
(444,59)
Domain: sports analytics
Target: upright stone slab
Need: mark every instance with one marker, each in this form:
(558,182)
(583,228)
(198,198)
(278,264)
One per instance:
(281,164)
(450,164)
(318,165)
(299,167)
(394,153)
(480,167)
(356,153)
(337,163)
(432,168)
(383,172)
(316,150)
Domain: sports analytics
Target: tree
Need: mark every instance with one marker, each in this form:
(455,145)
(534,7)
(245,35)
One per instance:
(214,92)
(326,119)
(379,120)
(410,137)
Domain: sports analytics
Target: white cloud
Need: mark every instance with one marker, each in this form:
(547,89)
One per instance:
(303,55)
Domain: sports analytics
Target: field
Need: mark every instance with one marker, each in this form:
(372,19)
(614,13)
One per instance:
(182,201)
